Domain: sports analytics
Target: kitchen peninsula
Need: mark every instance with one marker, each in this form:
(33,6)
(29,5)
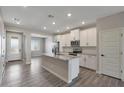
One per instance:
(64,66)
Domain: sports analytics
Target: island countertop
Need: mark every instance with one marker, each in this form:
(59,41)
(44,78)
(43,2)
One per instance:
(64,66)
(63,56)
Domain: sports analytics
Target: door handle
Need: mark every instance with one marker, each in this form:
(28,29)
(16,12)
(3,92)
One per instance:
(102,55)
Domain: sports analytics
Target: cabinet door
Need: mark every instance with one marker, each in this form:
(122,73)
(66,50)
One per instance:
(76,34)
(91,62)
(72,35)
(67,39)
(58,38)
(61,42)
(91,37)
(82,61)
(83,38)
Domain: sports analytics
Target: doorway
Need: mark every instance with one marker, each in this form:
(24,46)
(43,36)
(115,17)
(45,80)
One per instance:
(14,46)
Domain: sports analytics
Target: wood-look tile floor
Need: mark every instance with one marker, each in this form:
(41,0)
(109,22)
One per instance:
(18,74)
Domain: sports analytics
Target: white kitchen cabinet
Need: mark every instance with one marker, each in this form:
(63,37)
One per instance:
(67,39)
(83,38)
(88,61)
(75,35)
(82,61)
(91,37)
(57,38)
(88,37)
(64,40)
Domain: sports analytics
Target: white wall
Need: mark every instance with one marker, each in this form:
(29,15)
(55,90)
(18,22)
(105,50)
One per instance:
(49,44)
(2,46)
(111,22)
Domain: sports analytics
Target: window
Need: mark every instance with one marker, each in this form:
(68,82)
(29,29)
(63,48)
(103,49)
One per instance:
(35,45)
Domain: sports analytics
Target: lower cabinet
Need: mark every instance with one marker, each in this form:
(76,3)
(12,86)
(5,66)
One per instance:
(88,61)
(82,60)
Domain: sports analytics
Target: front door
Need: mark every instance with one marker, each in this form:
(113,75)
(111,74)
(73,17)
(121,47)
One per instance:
(14,46)
(110,49)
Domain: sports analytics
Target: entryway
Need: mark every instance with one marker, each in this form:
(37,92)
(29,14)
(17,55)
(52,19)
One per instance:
(14,46)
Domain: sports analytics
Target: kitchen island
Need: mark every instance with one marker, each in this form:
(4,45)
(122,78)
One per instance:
(64,66)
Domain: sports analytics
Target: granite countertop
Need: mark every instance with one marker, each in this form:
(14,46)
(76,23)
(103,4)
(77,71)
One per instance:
(62,56)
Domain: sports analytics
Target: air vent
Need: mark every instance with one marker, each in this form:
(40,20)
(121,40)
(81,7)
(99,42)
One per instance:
(50,16)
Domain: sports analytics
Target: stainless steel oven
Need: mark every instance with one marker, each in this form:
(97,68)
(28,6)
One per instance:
(75,43)
(76,47)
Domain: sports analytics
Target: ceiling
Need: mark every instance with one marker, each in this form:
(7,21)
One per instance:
(36,17)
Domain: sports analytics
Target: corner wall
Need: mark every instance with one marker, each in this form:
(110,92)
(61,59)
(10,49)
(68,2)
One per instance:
(2,47)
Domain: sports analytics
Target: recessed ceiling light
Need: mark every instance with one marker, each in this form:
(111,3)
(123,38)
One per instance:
(68,27)
(54,23)
(50,16)
(58,30)
(44,28)
(83,22)
(69,14)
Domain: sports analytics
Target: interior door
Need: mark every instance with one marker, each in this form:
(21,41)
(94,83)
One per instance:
(110,53)
(14,46)
(83,38)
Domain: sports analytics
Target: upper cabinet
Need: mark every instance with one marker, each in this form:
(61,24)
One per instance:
(63,39)
(57,38)
(67,39)
(75,35)
(83,38)
(88,37)
(92,35)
